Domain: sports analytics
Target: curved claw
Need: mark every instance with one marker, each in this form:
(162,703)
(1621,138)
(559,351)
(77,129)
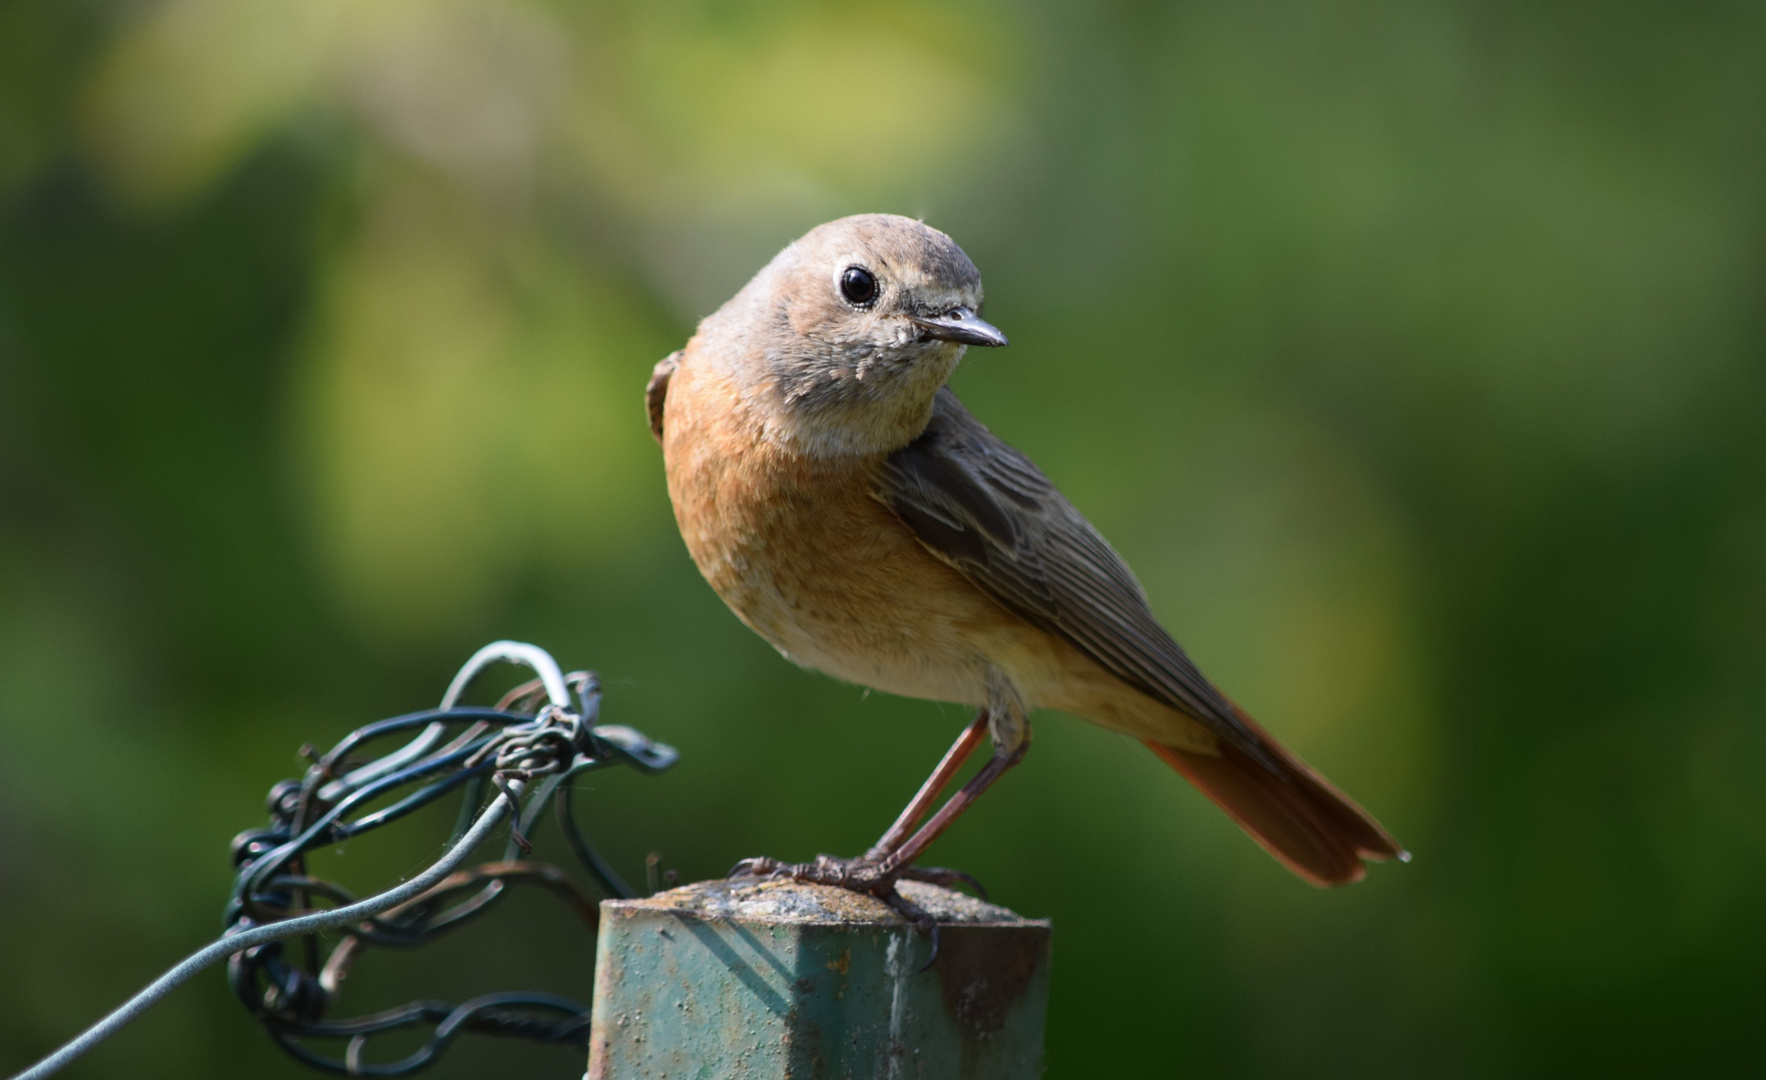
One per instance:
(920,917)
(939,875)
(760,866)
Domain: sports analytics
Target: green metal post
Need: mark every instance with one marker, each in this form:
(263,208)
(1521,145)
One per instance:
(741,981)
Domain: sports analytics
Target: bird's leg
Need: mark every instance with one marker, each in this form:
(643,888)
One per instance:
(893,857)
(897,863)
(947,769)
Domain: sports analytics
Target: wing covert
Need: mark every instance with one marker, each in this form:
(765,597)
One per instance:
(986,509)
(656,391)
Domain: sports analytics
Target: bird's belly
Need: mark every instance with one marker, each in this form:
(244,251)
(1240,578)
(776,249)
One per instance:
(872,611)
(937,673)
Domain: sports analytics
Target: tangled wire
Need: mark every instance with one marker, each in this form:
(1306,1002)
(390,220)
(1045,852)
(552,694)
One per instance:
(521,754)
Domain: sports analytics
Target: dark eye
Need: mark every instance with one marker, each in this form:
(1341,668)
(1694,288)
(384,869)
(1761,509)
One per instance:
(858,285)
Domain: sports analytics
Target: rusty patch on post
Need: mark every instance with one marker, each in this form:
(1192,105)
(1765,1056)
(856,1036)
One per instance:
(842,965)
(984,974)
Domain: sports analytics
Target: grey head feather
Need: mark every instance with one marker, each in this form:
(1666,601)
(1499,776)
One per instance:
(835,376)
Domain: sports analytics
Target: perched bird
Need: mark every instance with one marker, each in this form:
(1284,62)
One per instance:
(846,506)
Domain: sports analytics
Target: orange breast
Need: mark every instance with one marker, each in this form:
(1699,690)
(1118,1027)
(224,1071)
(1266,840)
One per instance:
(804,554)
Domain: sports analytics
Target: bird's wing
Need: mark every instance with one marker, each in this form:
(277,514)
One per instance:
(656,392)
(986,509)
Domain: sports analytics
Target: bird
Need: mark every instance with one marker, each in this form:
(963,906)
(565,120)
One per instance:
(848,508)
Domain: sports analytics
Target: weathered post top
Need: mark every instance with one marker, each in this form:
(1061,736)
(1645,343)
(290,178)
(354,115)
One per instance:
(764,981)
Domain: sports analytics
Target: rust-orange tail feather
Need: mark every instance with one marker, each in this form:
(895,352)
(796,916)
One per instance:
(1297,815)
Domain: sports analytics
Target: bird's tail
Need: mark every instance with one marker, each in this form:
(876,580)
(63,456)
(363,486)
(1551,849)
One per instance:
(1314,829)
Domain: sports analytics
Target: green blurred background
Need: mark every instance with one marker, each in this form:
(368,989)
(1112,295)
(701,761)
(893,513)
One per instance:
(1411,352)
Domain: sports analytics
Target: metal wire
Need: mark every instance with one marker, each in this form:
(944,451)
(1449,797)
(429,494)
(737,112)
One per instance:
(526,750)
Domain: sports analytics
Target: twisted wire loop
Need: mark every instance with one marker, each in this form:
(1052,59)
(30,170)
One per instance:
(525,750)
(536,738)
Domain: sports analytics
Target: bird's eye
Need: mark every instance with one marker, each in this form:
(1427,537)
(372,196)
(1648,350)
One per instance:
(858,285)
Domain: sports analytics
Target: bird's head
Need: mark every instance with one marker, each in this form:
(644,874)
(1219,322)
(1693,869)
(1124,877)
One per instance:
(847,335)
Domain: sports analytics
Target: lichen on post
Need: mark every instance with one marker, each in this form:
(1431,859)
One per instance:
(765,981)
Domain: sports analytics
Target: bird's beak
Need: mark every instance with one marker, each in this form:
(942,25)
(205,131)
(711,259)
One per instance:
(962,325)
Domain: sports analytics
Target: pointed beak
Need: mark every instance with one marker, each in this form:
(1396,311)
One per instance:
(962,325)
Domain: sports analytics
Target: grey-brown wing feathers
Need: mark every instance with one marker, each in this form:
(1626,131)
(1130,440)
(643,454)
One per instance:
(656,391)
(986,509)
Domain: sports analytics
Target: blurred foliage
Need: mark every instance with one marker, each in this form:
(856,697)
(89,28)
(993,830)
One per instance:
(1412,352)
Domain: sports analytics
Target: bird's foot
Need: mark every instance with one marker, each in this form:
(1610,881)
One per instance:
(863,875)
(939,875)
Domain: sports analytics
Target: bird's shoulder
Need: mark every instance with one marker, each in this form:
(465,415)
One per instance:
(656,390)
(981,503)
